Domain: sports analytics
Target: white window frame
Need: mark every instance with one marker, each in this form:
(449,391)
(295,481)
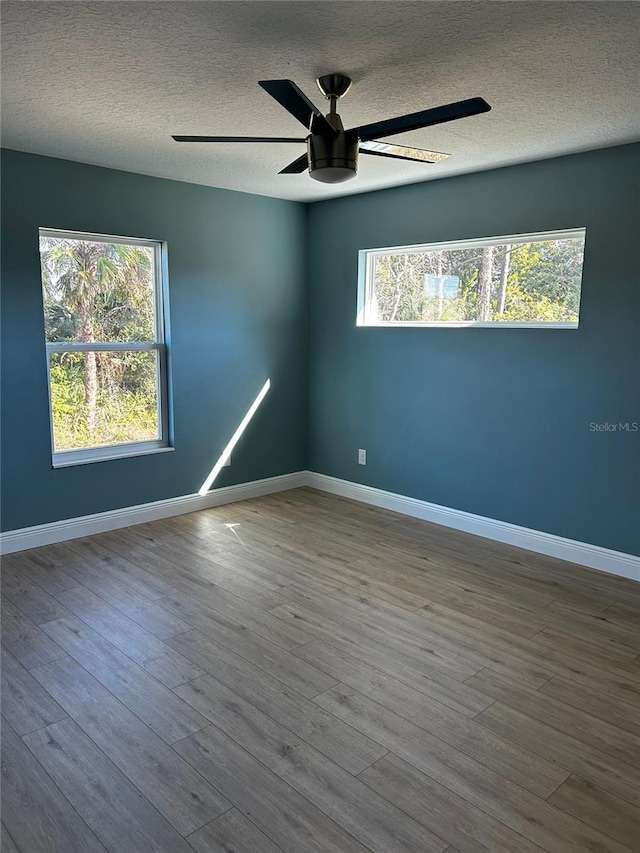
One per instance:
(366,307)
(82,456)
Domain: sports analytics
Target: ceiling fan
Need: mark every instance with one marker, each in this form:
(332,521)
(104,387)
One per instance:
(332,151)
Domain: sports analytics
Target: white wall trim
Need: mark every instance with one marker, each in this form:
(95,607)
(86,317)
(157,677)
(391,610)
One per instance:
(593,556)
(74,528)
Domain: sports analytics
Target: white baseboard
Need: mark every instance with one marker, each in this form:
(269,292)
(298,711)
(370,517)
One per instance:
(74,528)
(593,556)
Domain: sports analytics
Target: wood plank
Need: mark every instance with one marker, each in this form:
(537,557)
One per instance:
(25,704)
(294,560)
(574,605)
(336,661)
(443,812)
(197,577)
(296,552)
(576,582)
(323,731)
(7,844)
(193,523)
(249,509)
(536,574)
(300,555)
(603,736)
(185,574)
(625,609)
(605,625)
(317,622)
(29,598)
(114,809)
(414,634)
(314,543)
(520,580)
(620,779)
(26,641)
(190,571)
(620,683)
(40,566)
(283,666)
(450,726)
(280,812)
(531,816)
(37,815)
(418,566)
(126,599)
(146,582)
(167,781)
(368,817)
(597,704)
(309,585)
(601,651)
(381,591)
(220,562)
(599,809)
(460,590)
(155,656)
(517,620)
(230,832)
(416,674)
(232,609)
(155,704)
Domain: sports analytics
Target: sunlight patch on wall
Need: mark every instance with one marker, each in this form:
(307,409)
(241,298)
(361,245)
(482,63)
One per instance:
(235,438)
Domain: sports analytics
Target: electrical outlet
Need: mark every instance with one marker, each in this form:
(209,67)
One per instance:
(227,463)
(362,457)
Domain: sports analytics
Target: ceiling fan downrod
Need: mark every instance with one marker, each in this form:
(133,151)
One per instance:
(333,159)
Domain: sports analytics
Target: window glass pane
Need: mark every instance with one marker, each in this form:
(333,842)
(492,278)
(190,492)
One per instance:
(96,291)
(518,282)
(103,398)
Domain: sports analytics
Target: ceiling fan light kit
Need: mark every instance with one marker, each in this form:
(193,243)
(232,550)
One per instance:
(332,152)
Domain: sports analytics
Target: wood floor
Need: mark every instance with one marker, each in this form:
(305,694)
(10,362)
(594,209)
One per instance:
(304,674)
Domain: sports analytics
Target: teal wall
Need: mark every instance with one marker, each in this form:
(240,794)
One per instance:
(490,421)
(494,422)
(237,282)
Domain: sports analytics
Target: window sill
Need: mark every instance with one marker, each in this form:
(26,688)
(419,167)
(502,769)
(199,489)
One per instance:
(107,454)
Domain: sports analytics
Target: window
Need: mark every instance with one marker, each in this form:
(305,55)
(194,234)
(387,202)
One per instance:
(527,280)
(106,354)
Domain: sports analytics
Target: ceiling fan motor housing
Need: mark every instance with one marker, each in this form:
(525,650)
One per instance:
(334,159)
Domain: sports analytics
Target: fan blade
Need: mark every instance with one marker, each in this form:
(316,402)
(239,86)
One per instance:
(235,139)
(294,100)
(426,118)
(297,167)
(401,152)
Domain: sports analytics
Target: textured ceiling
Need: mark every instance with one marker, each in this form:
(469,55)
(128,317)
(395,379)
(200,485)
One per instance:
(108,82)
